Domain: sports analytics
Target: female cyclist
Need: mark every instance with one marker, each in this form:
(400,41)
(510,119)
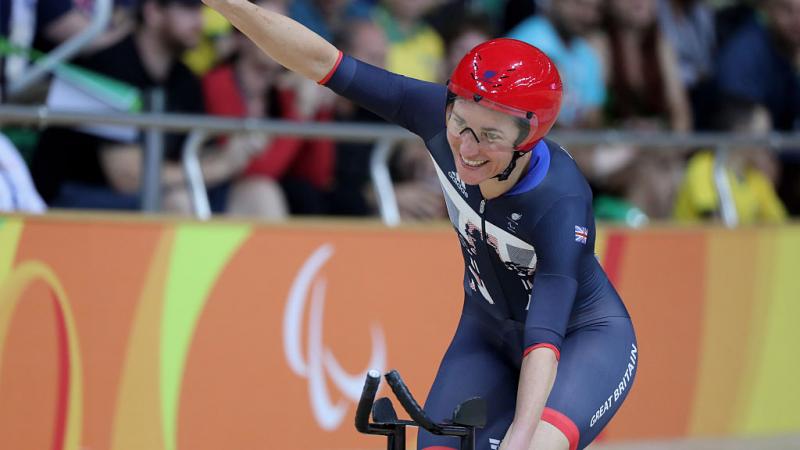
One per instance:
(543,335)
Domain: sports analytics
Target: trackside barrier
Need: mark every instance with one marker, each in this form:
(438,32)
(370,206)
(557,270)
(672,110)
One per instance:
(129,332)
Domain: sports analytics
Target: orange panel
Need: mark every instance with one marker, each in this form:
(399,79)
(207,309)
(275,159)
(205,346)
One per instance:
(102,267)
(29,379)
(239,391)
(662,285)
(688,292)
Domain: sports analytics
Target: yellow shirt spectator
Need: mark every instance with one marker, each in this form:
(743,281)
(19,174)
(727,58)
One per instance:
(205,55)
(418,53)
(753,194)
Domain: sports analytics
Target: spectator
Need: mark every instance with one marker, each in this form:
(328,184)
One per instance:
(216,44)
(17,193)
(761,63)
(645,90)
(470,31)
(253,85)
(58,20)
(80,169)
(752,191)
(645,94)
(416,186)
(516,11)
(560,32)
(417,197)
(328,17)
(563,29)
(415,49)
(448,17)
(43,25)
(732,15)
(688,25)
(352,193)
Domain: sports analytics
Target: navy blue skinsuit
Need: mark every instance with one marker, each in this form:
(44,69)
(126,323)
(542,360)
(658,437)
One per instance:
(531,278)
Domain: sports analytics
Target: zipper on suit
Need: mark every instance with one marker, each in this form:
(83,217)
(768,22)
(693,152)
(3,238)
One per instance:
(490,256)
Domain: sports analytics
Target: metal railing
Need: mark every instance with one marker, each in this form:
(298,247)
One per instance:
(202,127)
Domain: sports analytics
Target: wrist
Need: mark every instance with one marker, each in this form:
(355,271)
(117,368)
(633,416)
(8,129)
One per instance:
(518,439)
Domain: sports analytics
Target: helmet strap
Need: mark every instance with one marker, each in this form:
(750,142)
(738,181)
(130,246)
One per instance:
(503,176)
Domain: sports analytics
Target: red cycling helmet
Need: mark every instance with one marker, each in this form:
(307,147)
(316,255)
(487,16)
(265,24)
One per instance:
(512,77)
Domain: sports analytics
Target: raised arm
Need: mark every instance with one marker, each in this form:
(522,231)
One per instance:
(289,43)
(413,104)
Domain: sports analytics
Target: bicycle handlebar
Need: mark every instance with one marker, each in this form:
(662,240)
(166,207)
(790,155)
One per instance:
(410,404)
(367,399)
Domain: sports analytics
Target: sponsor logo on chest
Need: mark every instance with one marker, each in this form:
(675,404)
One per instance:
(462,187)
(513,221)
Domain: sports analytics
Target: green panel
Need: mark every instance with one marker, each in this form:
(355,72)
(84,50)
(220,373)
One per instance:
(199,255)
(10,231)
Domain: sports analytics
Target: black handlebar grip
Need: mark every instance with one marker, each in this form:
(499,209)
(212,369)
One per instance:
(367,399)
(409,403)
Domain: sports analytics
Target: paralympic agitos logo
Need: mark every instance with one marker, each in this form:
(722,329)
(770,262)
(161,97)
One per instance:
(316,362)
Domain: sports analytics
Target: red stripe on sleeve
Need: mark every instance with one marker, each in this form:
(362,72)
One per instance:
(333,69)
(543,345)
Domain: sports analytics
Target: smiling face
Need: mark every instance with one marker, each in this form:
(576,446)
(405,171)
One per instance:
(482,140)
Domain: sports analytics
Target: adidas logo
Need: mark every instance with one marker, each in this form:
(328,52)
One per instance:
(494,443)
(459,184)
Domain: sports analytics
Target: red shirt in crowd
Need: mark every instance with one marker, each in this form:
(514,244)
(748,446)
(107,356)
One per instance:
(283,155)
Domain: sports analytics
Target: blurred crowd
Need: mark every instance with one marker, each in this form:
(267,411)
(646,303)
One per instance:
(632,65)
